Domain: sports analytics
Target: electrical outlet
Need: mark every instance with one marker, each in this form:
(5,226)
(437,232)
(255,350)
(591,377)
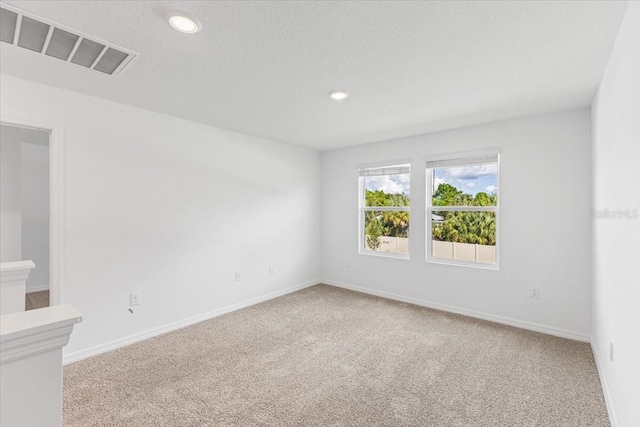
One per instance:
(272,269)
(134,299)
(611,350)
(348,264)
(534,292)
(237,277)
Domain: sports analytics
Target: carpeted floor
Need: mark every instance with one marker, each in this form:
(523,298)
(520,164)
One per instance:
(330,357)
(35,300)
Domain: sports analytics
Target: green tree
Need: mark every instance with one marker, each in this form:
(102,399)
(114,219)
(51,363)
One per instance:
(373,230)
(380,198)
(484,199)
(445,195)
(385,223)
(466,227)
(461,226)
(395,224)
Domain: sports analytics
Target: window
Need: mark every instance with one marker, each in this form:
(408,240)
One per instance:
(384,210)
(462,210)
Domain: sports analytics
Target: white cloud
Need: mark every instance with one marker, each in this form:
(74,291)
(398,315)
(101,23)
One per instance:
(472,172)
(469,179)
(390,184)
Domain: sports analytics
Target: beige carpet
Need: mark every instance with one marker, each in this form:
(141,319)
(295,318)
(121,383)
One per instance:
(330,357)
(35,300)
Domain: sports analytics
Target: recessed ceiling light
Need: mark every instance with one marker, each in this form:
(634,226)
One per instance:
(183,22)
(338,95)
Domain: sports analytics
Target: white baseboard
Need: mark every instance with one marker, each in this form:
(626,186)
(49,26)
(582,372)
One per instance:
(549,330)
(131,339)
(605,387)
(38,288)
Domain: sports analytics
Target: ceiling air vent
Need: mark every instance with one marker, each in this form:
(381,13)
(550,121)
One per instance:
(25,30)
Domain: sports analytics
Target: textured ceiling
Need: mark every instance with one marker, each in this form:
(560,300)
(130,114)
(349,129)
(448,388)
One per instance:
(265,68)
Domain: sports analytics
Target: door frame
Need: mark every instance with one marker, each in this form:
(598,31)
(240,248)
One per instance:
(56,198)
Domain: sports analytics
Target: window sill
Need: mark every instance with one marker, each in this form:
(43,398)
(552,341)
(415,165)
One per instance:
(385,254)
(482,266)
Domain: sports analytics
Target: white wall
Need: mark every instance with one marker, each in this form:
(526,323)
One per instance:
(35,212)
(544,224)
(616,250)
(148,198)
(10,204)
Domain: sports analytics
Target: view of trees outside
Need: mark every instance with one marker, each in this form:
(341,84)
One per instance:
(449,226)
(387,191)
(385,223)
(463,226)
(463,211)
(454,186)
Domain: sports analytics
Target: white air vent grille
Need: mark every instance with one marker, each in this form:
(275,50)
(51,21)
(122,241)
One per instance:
(61,44)
(25,30)
(8,21)
(87,53)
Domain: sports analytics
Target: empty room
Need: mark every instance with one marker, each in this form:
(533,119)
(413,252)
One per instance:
(320,213)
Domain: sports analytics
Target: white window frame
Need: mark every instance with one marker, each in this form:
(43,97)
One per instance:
(362,208)
(491,156)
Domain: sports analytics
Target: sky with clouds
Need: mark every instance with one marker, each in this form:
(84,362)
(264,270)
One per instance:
(469,179)
(391,184)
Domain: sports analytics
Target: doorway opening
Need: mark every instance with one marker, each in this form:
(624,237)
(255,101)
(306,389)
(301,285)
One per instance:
(26,208)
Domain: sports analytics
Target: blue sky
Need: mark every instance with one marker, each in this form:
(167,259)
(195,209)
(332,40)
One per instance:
(469,179)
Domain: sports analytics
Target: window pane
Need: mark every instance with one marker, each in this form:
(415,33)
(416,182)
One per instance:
(475,185)
(464,236)
(386,231)
(387,190)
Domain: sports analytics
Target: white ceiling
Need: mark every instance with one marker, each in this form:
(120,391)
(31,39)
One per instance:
(265,68)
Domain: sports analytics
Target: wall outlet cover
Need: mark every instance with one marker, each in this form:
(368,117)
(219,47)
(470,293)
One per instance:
(611,350)
(134,299)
